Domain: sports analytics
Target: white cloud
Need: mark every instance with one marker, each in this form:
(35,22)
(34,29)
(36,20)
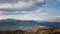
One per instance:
(20,4)
(31,16)
(6,5)
(23,9)
(54,19)
(32,5)
(23,5)
(24,15)
(41,0)
(7,16)
(44,14)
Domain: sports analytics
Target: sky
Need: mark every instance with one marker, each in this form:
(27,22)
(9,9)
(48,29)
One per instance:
(48,10)
(30,9)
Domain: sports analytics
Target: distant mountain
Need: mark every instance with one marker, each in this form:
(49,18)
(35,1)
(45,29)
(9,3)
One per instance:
(51,24)
(12,24)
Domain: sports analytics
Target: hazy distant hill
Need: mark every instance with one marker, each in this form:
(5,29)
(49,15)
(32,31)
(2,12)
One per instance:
(12,24)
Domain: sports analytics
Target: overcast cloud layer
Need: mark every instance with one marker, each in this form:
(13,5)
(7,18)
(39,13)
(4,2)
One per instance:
(23,8)
(29,9)
(21,5)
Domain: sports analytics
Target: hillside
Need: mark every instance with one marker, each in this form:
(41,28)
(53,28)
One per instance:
(33,31)
(13,24)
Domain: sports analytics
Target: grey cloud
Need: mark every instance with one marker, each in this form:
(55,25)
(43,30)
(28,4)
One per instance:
(33,7)
(14,1)
(8,1)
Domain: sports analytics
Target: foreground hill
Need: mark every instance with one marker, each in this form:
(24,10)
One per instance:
(33,31)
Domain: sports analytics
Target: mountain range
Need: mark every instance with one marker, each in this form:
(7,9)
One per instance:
(13,24)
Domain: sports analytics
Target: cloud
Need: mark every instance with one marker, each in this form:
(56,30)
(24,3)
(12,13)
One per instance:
(22,8)
(24,16)
(54,19)
(23,5)
(14,1)
(6,5)
(8,1)
(38,16)
(58,1)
